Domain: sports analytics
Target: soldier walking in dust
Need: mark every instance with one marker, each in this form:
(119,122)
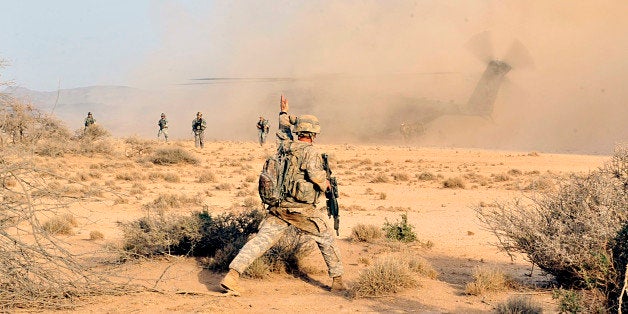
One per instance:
(163,127)
(297,209)
(262,128)
(198,127)
(285,121)
(89,121)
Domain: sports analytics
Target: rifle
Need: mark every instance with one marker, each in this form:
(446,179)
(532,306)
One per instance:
(332,195)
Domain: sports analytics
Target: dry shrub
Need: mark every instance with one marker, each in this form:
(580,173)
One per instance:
(172,177)
(454,183)
(540,184)
(206,177)
(519,305)
(165,201)
(61,224)
(380,178)
(224,186)
(382,196)
(161,234)
(400,176)
(579,234)
(41,274)
(172,156)
(391,274)
(96,235)
(501,177)
(426,176)
(488,280)
(137,146)
(366,233)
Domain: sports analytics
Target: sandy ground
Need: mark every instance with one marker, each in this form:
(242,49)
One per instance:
(442,216)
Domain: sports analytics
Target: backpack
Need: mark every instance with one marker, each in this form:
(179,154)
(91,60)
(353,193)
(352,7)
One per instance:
(272,186)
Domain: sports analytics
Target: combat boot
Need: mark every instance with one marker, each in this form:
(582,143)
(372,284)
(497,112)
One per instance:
(338,285)
(231,282)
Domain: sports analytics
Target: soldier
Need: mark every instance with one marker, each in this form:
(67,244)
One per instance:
(262,127)
(89,121)
(285,121)
(198,127)
(298,210)
(163,127)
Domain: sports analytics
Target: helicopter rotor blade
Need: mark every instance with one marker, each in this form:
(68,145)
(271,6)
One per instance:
(481,46)
(519,56)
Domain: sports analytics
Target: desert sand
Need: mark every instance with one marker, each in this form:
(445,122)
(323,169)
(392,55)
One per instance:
(442,217)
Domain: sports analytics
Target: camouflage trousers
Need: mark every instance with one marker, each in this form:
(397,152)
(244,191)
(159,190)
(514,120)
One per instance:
(163,131)
(273,227)
(199,139)
(262,137)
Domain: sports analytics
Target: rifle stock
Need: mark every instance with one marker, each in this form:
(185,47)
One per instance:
(332,195)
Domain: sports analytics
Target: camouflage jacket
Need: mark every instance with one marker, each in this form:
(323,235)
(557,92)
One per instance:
(306,175)
(263,125)
(89,121)
(163,123)
(285,122)
(199,125)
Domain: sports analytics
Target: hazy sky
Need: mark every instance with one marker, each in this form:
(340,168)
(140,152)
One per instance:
(573,99)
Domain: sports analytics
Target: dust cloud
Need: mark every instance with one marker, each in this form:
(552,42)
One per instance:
(365,66)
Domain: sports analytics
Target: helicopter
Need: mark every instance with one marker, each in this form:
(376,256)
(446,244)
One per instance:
(388,117)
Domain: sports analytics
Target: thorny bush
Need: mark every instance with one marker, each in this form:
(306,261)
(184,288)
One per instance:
(578,234)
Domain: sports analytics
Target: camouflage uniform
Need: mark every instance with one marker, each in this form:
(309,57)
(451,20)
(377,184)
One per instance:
(198,127)
(163,127)
(285,126)
(298,210)
(262,128)
(89,121)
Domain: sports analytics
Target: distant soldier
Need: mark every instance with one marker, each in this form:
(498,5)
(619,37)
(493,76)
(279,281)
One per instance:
(262,128)
(163,127)
(298,209)
(285,121)
(198,127)
(404,129)
(89,121)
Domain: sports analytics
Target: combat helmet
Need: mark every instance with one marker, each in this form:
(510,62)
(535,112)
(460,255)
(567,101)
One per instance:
(307,123)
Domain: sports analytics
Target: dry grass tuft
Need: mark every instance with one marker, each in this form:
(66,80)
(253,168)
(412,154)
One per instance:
(400,176)
(61,224)
(366,233)
(390,275)
(454,183)
(96,235)
(380,178)
(206,177)
(426,176)
(488,280)
(519,305)
(172,156)
(165,201)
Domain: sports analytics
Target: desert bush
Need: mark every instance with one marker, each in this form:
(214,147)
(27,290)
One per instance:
(579,234)
(172,177)
(488,280)
(426,176)
(454,183)
(165,201)
(400,176)
(380,178)
(61,224)
(366,233)
(161,234)
(382,196)
(171,156)
(519,305)
(137,146)
(400,231)
(42,273)
(96,235)
(206,177)
(389,275)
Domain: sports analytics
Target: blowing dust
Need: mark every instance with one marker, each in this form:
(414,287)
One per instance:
(364,67)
